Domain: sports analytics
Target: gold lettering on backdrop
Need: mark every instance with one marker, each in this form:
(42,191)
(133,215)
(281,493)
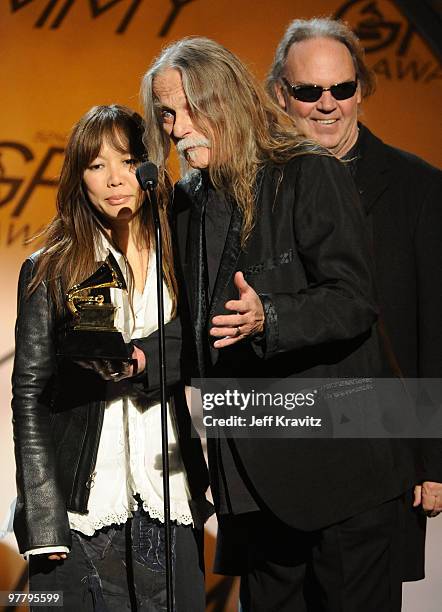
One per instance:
(381,27)
(382,67)
(401,68)
(19,187)
(39,179)
(177,6)
(20,233)
(13,184)
(55,12)
(375,30)
(413,68)
(435,74)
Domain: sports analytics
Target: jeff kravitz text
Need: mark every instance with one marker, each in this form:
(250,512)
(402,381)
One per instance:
(269,420)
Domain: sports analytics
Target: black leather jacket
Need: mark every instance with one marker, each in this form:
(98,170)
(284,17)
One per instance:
(58,410)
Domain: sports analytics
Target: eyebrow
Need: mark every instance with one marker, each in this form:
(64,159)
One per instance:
(298,83)
(164,107)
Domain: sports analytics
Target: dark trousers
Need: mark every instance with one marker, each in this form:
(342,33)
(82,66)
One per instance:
(122,567)
(352,566)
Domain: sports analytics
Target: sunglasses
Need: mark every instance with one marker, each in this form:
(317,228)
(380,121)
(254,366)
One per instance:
(312,93)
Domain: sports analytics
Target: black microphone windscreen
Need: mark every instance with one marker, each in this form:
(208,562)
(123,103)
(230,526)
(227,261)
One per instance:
(147,175)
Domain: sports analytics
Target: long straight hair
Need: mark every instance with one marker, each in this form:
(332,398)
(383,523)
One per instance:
(230,107)
(68,254)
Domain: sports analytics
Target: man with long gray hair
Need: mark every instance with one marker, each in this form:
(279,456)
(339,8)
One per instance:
(274,263)
(320,77)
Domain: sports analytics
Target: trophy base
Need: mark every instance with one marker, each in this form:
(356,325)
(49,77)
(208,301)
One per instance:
(86,345)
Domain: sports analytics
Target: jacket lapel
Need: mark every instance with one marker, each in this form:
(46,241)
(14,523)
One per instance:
(372,177)
(232,252)
(229,259)
(197,278)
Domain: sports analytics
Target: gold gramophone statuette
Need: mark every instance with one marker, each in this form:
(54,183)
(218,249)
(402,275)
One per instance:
(90,311)
(92,333)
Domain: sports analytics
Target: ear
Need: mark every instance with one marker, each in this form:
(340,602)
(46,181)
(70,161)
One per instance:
(280,96)
(358,94)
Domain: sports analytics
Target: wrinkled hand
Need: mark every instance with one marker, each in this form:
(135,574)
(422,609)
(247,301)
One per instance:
(116,369)
(429,494)
(248,319)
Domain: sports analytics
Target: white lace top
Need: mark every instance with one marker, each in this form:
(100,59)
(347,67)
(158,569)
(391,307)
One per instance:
(129,452)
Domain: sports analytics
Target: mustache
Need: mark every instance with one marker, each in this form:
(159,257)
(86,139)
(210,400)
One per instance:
(187,143)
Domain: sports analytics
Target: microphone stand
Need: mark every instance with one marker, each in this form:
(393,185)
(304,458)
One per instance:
(147,175)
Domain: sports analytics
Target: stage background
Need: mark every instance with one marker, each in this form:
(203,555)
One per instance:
(60,57)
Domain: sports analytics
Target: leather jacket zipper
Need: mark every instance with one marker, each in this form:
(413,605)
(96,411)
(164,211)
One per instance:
(83,483)
(90,481)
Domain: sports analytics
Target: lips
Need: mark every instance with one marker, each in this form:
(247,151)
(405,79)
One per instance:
(325,121)
(116,200)
(190,151)
(193,147)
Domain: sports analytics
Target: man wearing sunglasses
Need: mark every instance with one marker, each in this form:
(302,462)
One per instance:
(320,78)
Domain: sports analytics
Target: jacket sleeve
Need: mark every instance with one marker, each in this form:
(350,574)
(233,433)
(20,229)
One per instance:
(150,378)
(40,518)
(428,252)
(179,359)
(337,302)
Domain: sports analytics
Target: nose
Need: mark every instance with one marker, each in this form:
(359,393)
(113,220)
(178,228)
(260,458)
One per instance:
(326,103)
(183,125)
(115,176)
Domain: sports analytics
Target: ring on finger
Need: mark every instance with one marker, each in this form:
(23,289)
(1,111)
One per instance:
(238,331)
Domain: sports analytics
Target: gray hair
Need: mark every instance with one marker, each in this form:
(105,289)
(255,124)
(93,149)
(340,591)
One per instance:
(229,106)
(321,27)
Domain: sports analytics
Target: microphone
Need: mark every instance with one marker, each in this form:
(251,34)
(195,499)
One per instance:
(147,176)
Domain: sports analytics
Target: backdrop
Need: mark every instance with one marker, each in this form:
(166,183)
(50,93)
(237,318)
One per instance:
(60,57)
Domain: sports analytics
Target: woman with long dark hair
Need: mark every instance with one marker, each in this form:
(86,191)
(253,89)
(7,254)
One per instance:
(89,511)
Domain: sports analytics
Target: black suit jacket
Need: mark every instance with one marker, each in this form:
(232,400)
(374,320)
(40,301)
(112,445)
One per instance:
(308,259)
(402,195)
(402,198)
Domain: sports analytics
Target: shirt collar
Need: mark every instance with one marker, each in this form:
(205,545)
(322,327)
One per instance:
(102,248)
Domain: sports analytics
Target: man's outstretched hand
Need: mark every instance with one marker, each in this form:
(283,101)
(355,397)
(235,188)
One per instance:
(247,321)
